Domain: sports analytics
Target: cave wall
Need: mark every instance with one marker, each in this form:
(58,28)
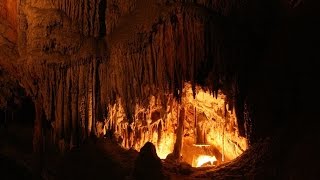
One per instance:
(10,89)
(210,120)
(154,123)
(10,92)
(9,11)
(117,9)
(151,47)
(53,81)
(206,121)
(170,62)
(89,16)
(8,24)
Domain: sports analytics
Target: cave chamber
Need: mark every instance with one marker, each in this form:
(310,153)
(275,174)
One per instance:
(155,88)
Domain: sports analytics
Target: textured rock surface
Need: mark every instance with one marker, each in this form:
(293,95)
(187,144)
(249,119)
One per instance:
(82,83)
(154,46)
(214,125)
(148,164)
(76,59)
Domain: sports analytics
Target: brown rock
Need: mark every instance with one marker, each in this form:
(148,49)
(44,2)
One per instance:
(148,164)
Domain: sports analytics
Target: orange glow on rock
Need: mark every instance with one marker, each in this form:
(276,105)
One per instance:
(204,159)
(210,131)
(215,124)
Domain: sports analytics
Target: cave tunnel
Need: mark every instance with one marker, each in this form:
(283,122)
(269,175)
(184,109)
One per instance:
(159,89)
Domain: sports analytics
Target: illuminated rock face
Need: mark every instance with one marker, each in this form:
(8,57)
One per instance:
(9,9)
(153,123)
(78,57)
(8,20)
(207,123)
(124,63)
(210,122)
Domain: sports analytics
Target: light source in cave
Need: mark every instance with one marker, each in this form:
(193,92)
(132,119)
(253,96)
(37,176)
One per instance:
(204,160)
(200,142)
(210,131)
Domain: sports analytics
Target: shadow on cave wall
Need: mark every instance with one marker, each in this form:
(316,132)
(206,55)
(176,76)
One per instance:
(21,113)
(10,169)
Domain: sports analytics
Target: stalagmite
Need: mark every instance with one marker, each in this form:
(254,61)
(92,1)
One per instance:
(179,135)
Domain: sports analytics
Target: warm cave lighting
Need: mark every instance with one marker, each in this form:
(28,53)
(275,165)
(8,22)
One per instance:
(210,133)
(202,145)
(204,160)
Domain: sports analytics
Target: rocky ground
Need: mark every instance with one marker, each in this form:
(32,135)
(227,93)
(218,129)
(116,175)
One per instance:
(95,159)
(271,158)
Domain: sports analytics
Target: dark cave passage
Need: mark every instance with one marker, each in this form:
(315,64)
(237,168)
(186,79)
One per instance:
(21,114)
(25,114)
(11,170)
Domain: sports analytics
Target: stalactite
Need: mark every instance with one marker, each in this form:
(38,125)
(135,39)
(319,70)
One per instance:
(222,6)
(66,107)
(59,110)
(74,111)
(177,44)
(177,67)
(248,124)
(84,13)
(89,99)
(117,9)
(37,132)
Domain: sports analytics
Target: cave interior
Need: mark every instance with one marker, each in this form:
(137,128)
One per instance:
(159,89)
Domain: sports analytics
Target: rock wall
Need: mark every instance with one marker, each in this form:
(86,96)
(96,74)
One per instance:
(117,9)
(75,77)
(89,16)
(161,58)
(9,9)
(9,87)
(8,20)
(206,121)
(151,47)
(154,123)
(219,6)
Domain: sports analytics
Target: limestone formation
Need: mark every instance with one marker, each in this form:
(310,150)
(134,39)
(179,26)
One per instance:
(135,69)
(148,164)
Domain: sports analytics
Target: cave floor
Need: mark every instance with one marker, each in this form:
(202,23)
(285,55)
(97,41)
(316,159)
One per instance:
(102,158)
(95,159)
